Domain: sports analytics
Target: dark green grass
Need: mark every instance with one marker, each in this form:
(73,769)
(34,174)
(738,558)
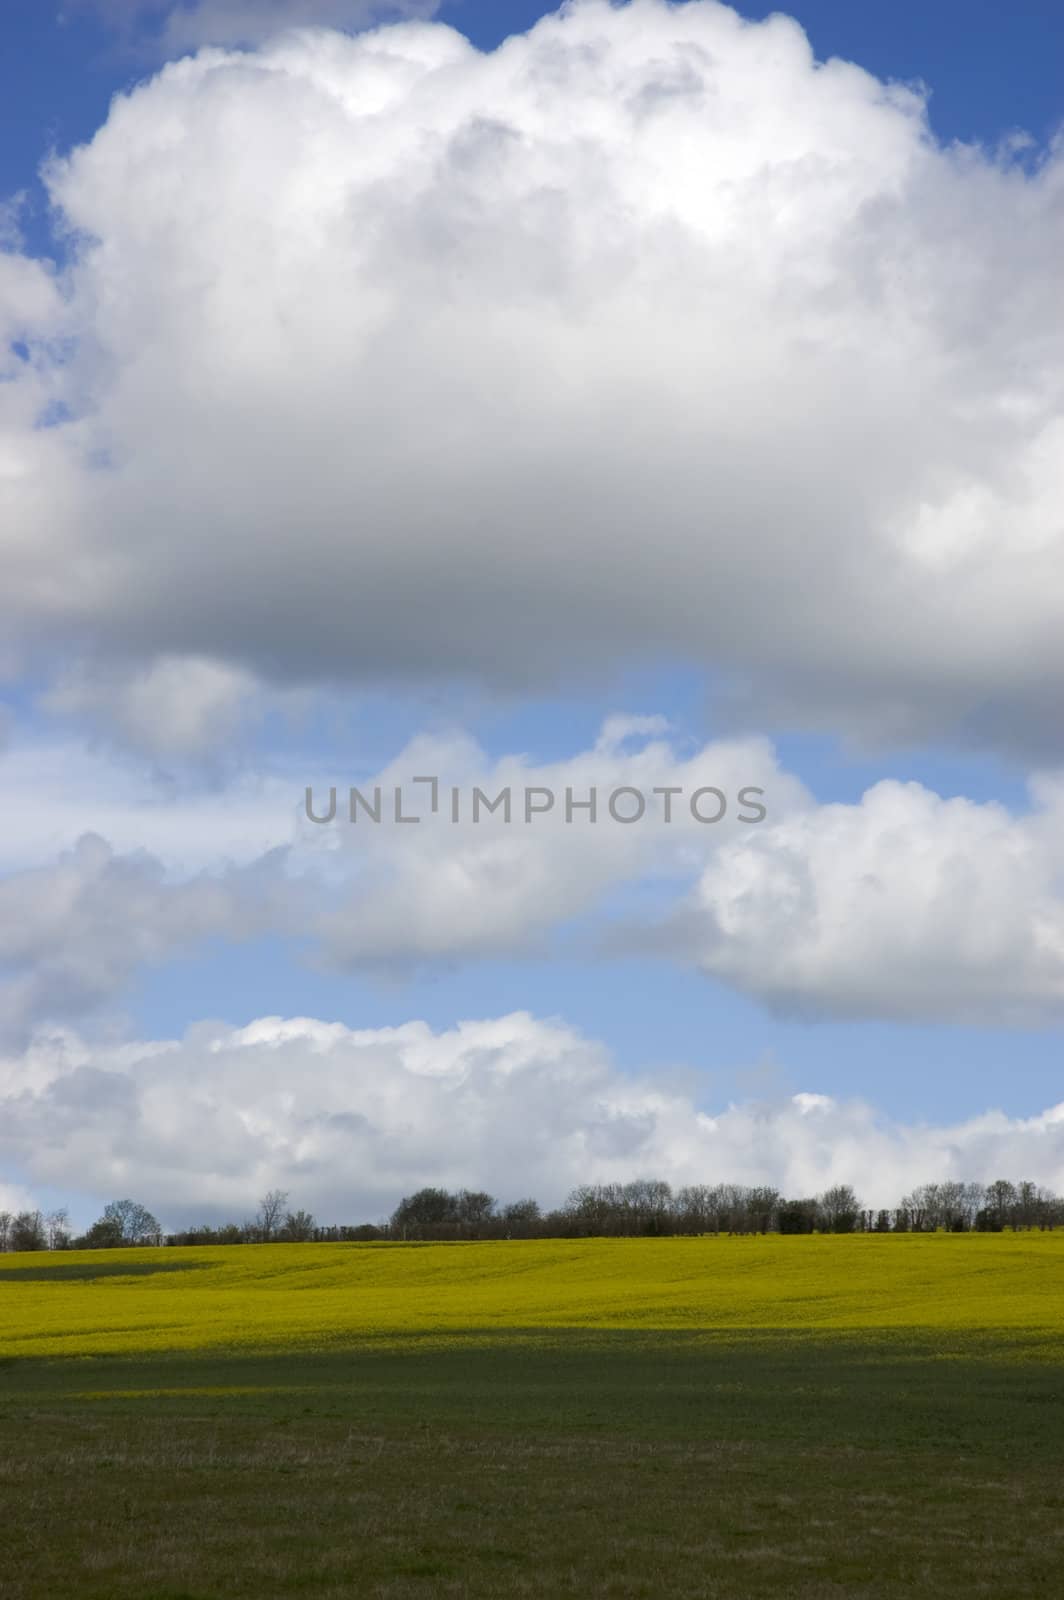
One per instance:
(90,1271)
(575,1464)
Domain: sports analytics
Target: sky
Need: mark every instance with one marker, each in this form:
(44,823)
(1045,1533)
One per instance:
(644,398)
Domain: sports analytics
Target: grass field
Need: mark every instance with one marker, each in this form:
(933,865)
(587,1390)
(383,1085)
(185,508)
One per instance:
(875,1416)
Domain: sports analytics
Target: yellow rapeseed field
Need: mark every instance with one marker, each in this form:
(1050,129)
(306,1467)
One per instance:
(92,1302)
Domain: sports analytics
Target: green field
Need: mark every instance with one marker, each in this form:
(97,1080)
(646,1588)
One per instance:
(809,1416)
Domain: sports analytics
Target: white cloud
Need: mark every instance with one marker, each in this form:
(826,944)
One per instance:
(242,859)
(14,1198)
(445,891)
(73,934)
(28,290)
(349,1120)
(903,906)
(644,335)
(906,905)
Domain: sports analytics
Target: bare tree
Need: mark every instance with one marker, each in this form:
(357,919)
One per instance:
(762,1207)
(272,1209)
(648,1203)
(57,1228)
(473,1207)
(298,1227)
(692,1207)
(1001,1201)
(839,1209)
(589,1206)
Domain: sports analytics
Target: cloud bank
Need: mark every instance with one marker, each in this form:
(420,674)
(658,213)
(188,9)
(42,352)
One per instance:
(349,1120)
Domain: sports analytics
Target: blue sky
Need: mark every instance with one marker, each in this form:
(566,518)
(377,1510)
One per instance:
(98,688)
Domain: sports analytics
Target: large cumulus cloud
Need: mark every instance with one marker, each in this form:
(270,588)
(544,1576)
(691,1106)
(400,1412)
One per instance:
(644,335)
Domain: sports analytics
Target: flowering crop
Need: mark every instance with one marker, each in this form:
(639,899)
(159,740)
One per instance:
(328,1294)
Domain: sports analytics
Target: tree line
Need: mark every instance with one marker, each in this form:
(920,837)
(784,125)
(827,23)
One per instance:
(646,1208)
(650,1207)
